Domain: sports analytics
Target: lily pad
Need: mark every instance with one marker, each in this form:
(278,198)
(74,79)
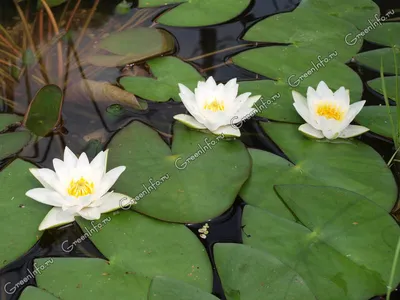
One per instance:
(138,248)
(376,118)
(386,34)
(348,164)
(133,45)
(164,288)
(198,179)
(33,293)
(357,12)
(20,216)
(13,142)
(8,119)
(372,59)
(342,245)
(300,68)
(250,274)
(44,111)
(390,84)
(193,13)
(169,71)
(328,39)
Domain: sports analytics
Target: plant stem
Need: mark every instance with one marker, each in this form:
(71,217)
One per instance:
(394,130)
(392,272)
(218,51)
(72,15)
(85,26)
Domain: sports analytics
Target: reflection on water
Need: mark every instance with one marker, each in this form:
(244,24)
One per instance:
(86,124)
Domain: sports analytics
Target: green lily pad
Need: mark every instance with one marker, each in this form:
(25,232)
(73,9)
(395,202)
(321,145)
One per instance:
(250,274)
(342,245)
(164,288)
(386,34)
(348,164)
(169,71)
(372,59)
(267,170)
(299,68)
(33,293)
(138,248)
(44,111)
(357,12)
(20,216)
(176,184)
(8,119)
(329,36)
(390,84)
(193,13)
(376,118)
(133,45)
(13,142)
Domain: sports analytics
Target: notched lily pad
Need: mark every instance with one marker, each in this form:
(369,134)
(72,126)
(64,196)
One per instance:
(377,119)
(13,142)
(7,120)
(198,179)
(372,59)
(386,34)
(390,84)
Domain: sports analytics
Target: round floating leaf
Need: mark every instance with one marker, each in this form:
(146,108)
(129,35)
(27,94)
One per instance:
(276,101)
(390,84)
(250,274)
(357,12)
(137,44)
(300,68)
(138,248)
(44,111)
(169,71)
(20,216)
(193,13)
(33,293)
(164,288)
(267,170)
(195,181)
(349,164)
(342,246)
(13,142)
(376,118)
(7,120)
(386,34)
(372,59)
(329,36)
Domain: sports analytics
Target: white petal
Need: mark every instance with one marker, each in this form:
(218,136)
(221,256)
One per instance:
(113,201)
(100,161)
(189,121)
(310,131)
(45,196)
(343,97)
(324,91)
(241,99)
(62,171)
(109,179)
(227,131)
(300,104)
(231,90)
(69,158)
(251,101)
(49,180)
(210,83)
(354,109)
(189,101)
(83,161)
(353,130)
(55,217)
(90,213)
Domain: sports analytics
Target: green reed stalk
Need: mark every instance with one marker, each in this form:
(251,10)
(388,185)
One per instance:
(392,272)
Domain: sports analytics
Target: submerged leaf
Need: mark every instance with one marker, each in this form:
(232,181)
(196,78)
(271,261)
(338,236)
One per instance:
(7,120)
(13,142)
(44,111)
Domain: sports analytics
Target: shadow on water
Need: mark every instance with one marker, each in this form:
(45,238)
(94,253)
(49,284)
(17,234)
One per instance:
(85,121)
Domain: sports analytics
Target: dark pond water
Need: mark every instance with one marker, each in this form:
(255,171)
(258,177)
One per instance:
(83,120)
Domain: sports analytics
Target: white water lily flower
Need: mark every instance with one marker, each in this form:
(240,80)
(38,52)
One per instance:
(216,107)
(76,188)
(328,114)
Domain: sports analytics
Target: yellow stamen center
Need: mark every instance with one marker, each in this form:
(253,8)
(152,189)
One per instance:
(330,110)
(81,187)
(215,106)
